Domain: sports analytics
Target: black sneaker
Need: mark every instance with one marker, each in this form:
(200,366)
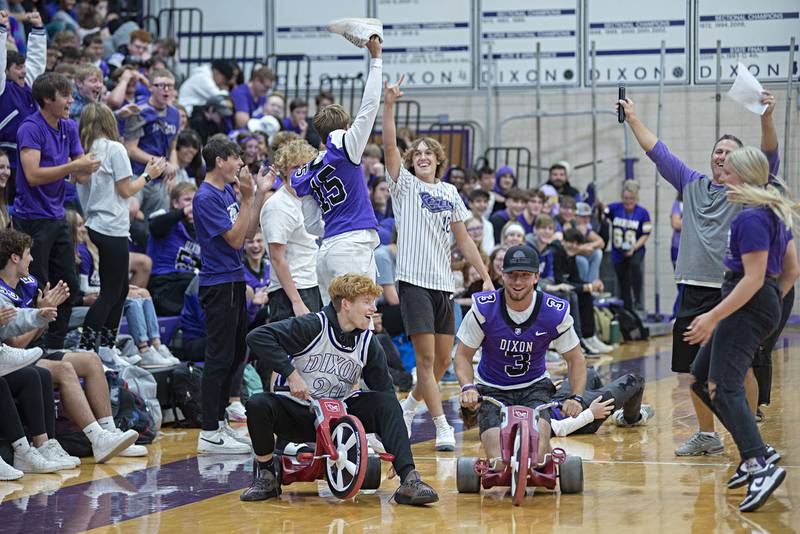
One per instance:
(264,486)
(762,484)
(739,478)
(772,456)
(414,491)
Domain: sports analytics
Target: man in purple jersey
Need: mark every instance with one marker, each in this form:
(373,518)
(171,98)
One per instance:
(513,327)
(335,182)
(250,97)
(16,77)
(707,216)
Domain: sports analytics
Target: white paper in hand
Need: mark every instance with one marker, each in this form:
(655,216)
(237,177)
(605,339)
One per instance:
(747,91)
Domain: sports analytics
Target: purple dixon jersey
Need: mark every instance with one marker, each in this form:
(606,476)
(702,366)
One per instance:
(159,130)
(626,228)
(753,230)
(24,295)
(339,187)
(513,354)
(178,251)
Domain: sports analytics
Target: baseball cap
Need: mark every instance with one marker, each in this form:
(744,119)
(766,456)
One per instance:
(521,258)
(582,209)
(221,104)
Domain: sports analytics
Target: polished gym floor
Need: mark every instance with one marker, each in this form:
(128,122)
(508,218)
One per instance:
(633,481)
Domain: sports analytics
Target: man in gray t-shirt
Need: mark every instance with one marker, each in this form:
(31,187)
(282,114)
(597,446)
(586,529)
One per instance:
(707,217)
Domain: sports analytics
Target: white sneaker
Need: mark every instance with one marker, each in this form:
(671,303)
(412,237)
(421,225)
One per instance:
(151,358)
(446,439)
(293,449)
(646,413)
(110,444)
(13,359)
(374,443)
(8,472)
(408,417)
(236,412)
(221,443)
(165,352)
(134,451)
(357,30)
(112,358)
(239,435)
(53,451)
(601,347)
(32,461)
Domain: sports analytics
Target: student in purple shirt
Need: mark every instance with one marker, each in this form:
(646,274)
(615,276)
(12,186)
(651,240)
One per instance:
(222,224)
(707,216)
(249,97)
(297,120)
(16,77)
(630,229)
(49,151)
(761,267)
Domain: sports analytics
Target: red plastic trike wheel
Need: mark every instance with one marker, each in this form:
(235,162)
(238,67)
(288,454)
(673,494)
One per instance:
(346,474)
(520,460)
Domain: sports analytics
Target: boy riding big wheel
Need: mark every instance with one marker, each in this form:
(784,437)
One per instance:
(329,352)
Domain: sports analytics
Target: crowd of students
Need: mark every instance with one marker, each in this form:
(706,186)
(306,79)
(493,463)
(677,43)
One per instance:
(128,193)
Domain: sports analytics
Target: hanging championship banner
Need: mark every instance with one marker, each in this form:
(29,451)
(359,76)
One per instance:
(513,27)
(756,34)
(627,37)
(430,41)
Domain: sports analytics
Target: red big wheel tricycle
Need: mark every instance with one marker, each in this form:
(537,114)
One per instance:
(340,457)
(519,442)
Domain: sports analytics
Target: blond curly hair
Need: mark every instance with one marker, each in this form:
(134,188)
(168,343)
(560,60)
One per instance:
(350,286)
(293,154)
(436,148)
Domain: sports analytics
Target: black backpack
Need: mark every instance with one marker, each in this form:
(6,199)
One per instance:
(630,324)
(130,411)
(185,385)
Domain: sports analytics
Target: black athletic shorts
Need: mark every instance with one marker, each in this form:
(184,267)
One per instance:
(426,311)
(695,300)
(55,355)
(538,393)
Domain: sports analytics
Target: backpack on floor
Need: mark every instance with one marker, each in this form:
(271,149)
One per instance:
(143,383)
(602,322)
(185,384)
(630,325)
(130,411)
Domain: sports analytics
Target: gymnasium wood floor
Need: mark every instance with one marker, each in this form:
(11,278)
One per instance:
(634,483)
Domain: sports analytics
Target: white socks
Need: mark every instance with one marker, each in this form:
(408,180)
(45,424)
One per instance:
(21,445)
(441,422)
(93,431)
(410,403)
(107,423)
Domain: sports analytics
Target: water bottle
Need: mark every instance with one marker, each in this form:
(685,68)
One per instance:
(615,333)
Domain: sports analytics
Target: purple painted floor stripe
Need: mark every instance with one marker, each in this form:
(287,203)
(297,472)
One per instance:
(161,488)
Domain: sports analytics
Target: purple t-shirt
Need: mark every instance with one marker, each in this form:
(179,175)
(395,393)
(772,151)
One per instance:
(243,100)
(56,147)
(753,230)
(215,212)
(338,186)
(626,228)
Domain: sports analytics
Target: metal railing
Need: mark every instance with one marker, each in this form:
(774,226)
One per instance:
(516,157)
(293,76)
(346,90)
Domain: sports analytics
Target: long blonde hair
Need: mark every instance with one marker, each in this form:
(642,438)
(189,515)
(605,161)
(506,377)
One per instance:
(97,122)
(752,166)
(72,220)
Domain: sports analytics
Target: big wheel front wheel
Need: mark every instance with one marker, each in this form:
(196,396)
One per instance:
(345,475)
(520,458)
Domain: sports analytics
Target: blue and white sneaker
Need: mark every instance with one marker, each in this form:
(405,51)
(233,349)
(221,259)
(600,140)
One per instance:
(772,456)
(762,484)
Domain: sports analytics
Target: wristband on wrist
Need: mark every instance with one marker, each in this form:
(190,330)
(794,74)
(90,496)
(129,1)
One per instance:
(146,177)
(577,398)
(467,387)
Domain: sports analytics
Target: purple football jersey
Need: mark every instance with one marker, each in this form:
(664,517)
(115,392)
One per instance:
(24,295)
(178,251)
(339,187)
(514,354)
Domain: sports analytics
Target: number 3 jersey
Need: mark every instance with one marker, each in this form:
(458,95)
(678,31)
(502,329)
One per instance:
(339,187)
(513,344)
